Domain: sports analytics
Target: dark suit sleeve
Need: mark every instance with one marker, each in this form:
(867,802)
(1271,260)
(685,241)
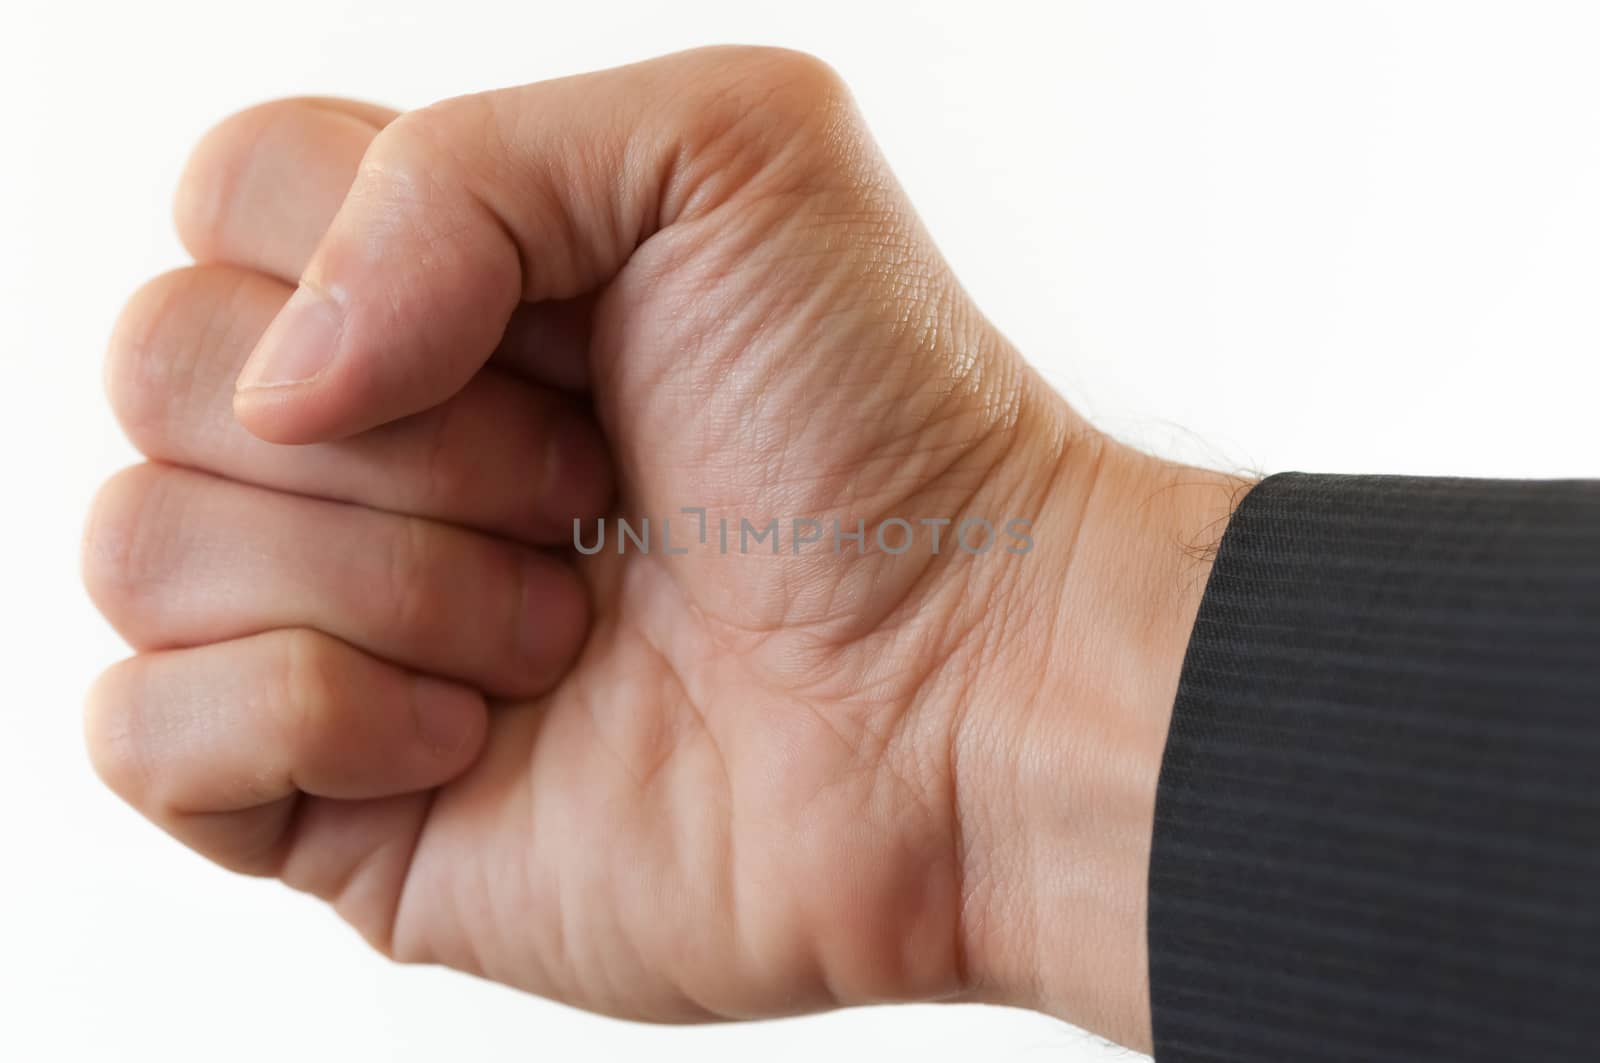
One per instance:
(1378,824)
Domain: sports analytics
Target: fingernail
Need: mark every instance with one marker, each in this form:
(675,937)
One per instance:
(446,714)
(299,344)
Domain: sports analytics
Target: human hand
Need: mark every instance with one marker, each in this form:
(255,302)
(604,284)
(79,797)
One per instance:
(668,786)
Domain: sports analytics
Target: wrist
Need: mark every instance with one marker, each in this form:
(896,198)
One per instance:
(1060,756)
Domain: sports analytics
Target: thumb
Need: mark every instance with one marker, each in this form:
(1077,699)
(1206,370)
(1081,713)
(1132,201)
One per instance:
(463,209)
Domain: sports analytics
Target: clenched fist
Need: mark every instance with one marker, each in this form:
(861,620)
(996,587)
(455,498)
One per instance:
(860,698)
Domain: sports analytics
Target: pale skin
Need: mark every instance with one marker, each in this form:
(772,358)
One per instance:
(668,787)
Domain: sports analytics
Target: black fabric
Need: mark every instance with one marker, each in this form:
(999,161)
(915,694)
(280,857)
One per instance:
(1378,825)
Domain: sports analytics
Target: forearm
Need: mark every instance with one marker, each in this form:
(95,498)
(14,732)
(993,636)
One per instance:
(1376,832)
(1353,780)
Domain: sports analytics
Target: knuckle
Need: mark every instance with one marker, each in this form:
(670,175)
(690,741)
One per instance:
(395,150)
(312,670)
(111,733)
(764,121)
(791,88)
(416,169)
(126,539)
(219,164)
(438,123)
(406,155)
(444,480)
(137,378)
(790,67)
(409,589)
(149,368)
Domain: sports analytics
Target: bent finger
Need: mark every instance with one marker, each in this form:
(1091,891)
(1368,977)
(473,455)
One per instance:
(214,743)
(178,558)
(504,455)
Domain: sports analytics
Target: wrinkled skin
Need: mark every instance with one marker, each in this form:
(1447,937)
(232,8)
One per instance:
(717,785)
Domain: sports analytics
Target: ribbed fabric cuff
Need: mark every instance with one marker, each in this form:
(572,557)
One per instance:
(1378,824)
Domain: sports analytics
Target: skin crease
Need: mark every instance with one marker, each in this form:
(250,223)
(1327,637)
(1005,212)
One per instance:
(763,785)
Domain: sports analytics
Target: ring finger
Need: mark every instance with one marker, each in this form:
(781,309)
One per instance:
(177,558)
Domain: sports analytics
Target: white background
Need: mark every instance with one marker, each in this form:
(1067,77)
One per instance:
(1337,236)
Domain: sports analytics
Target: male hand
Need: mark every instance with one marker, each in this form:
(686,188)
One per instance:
(668,786)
